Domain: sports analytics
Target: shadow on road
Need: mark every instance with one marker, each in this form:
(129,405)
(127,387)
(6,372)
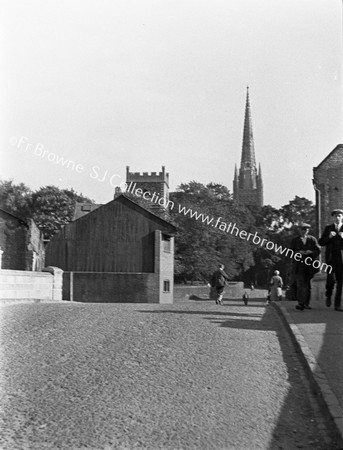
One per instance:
(293,359)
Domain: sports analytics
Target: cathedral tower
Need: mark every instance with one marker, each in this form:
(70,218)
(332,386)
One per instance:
(247,183)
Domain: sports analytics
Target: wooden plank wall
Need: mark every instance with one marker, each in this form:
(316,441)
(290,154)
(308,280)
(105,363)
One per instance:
(117,237)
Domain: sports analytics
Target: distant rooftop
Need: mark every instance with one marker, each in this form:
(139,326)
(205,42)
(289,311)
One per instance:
(83,208)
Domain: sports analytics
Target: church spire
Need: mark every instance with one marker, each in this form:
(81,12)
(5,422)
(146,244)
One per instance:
(248,185)
(248,149)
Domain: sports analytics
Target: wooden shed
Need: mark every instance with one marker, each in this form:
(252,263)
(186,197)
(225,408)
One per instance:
(126,251)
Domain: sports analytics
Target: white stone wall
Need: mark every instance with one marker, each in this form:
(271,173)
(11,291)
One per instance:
(25,285)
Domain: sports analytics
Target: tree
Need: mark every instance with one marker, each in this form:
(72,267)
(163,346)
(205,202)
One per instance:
(298,211)
(202,214)
(279,226)
(52,208)
(268,218)
(15,198)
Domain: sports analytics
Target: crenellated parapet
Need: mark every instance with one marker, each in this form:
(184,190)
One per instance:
(151,183)
(147,177)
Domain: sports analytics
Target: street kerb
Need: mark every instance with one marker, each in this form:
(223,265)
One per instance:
(317,378)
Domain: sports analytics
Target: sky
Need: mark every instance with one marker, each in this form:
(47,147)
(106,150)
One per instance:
(90,87)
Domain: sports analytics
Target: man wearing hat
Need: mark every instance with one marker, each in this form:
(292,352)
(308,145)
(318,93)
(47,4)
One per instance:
(218,282)
(332,239)
(303,271)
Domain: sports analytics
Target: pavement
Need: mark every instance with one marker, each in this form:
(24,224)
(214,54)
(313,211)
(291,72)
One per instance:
(319,335)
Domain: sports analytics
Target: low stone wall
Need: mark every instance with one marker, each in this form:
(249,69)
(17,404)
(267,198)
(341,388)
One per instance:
(18,285)
(111,287)
(234,289)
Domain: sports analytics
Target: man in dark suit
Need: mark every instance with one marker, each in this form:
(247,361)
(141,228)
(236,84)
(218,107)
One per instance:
(303,270)
(332,239)
(218,282)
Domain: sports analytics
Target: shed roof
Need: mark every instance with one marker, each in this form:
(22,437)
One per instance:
(128,202)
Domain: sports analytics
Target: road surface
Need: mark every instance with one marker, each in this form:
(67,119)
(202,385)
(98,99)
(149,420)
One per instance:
(191,375)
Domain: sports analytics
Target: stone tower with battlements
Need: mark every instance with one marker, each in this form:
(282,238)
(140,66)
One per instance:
(247,183)
(154,186)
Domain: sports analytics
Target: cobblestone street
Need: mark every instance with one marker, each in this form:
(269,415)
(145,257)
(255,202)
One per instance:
(191,375)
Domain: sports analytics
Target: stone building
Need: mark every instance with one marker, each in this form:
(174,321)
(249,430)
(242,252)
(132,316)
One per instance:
(328,184)
(247,183)
(119,252)
(155,187)
(21,243)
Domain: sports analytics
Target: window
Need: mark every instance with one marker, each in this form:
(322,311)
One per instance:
(166,241)
(86,207)
(166,286)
